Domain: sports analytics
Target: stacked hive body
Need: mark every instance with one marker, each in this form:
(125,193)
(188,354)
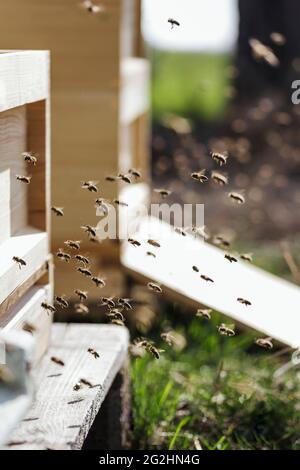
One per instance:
(99,105)
(24,214)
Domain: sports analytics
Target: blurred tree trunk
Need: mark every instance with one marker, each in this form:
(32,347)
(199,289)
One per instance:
(258,19)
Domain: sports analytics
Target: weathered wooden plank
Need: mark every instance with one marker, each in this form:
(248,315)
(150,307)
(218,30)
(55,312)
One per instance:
(60,417)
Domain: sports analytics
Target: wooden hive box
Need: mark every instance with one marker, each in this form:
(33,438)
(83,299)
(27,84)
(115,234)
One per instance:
(24,208)
(99,106)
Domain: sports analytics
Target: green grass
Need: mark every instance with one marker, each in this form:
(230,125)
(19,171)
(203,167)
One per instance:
(219,391)
(203,97)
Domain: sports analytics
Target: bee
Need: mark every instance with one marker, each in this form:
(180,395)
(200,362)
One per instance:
(196,269)
(115,315)
(20,262)
(74,245)
(86,382)
(48,307)
(247,257)
(24,179)
(81,309)
(219,178)
(102,204)
(153,243)
(231,259)
(237,197)
(120,203)
(135,173)
(82,259)
(221,241)
(173,22)
(134,242)
(91,7)
(125,178)
(90,186)
(220,158)
(108,301)
(262,52)
(58,211)
(278,38)
(29,328)
(125,303)
(200,176)
(149,253)
(226,330)
(29,157)
(86,272)
(115,321)
(245,302)
(57,361)
(111,178)
(83,295)
(94,353)
(163,192)
(154,287)
(168,338)
(63,255)
(153,350)
(77,387)
(91,231)
(206,278)
(180,231)
(98,281)
(204,313)
(62,302)
(265,343)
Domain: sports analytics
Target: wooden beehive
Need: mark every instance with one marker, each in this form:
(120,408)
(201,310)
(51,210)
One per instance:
(99,105)
(24,208)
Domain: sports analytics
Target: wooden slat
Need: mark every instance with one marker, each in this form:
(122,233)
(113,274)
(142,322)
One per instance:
(135,89)
(61,417)
(275,302)
(29,311)
(23,78)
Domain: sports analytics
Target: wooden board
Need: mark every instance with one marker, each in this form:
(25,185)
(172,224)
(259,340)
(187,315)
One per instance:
(28,311)
(60,417)
(135,78)
(275,302)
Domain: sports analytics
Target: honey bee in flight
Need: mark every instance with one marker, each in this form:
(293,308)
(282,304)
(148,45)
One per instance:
(86,382)
(231,259)
(200,176)
(245,302)
(135,173)
(23,179)
(98,281)
(265,343)
(86,272)
(278,38)
(149,253)
(120,203)
(164,193)
(61,301)
(173,22)
(57,361)
(204,313)
(180,231)
(82,259)
(262,52)
(48,307)
(219,240)
(29,157)
(77,387)
(226,330)
(90,186)
(81,309)
(91,231)
(116,315)
(219,178)
(154,287)
(153,243)
(108,301)
(63,255)
(73,244)
(20,262)
(247,257)
(196,269)
(91,7)
(58,211)
(133,242)
(220,158)
(206,278)
(125,303)
(125,178)
(111,178)
(237,197)
(94,353)
(83,295)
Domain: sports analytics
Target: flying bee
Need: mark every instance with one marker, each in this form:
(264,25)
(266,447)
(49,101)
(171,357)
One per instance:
(153,350)
(90,186)
(163,192)
(237,197)
(20,262)
(91,231)
(219,240)
(116,315)
(63,255)
(219,178)
(153,243)
(134,242)
(226,330)
(98,281)
(91,7)
(86,272)
(125,178)
(245,302)
(112,178)
(29,157)
(262,52)
(180,231)
(28,327)
(265,343)
(173,22)
(94,353)
(200,176)
(115,321)
(81,309)
(77,387)
(58,211)
(204,313)
(168,338)
(120,203)
(230,258)
(278,38)
(196,269)
(82,259)
(73,244)
(86,382)
(102,206)
(220,158)
(125,303)
(206,278)
(83,295)
(24,179)
(135,173)
(108,301)
(149,253)
(57,361)
(48,307)
(61,301)
(247,257)
(154,287)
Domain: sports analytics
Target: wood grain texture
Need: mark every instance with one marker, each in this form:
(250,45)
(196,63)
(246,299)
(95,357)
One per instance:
(275,302)
(60,417)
